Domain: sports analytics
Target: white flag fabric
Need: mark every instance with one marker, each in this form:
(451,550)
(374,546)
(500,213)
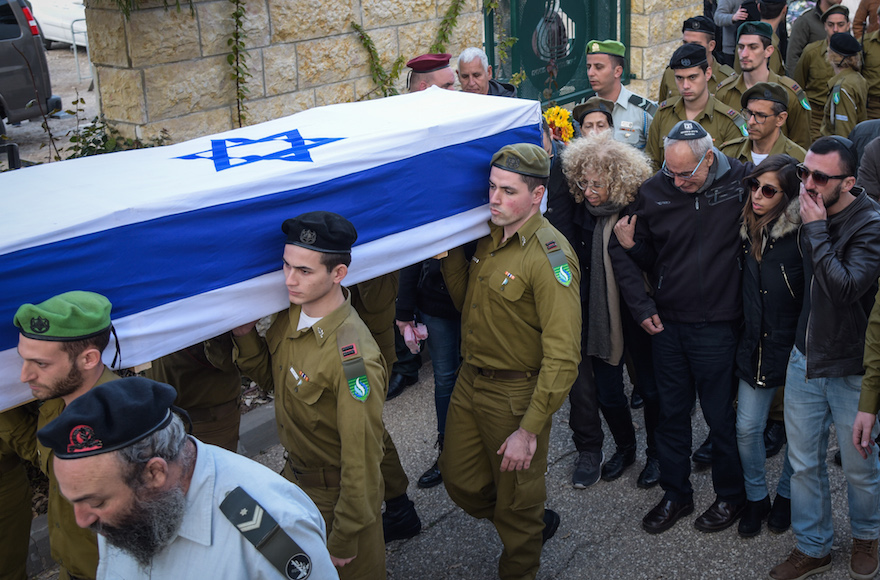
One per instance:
(186,242)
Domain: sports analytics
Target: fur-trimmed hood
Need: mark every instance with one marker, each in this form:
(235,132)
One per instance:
(786,224)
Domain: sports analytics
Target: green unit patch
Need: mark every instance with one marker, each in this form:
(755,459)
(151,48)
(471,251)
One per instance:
(359,387)
(563,274)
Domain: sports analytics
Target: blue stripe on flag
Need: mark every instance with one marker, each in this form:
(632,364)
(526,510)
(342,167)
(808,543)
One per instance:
(146,264)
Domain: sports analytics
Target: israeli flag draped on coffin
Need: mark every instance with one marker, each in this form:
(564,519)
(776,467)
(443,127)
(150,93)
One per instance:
(186,240)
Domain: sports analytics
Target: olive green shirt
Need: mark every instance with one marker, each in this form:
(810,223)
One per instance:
(72,547)
(516,315)
(869,401)
(813,72)
(797,125)
(741,149)
(849,106)
(668,88)
(871,72)
(717,119)
(18,428)
(320,423)
(375,302)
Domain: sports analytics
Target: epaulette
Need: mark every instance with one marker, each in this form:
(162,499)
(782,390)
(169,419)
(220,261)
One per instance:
(733,116)
(353,362)
(727,70)
(668,102)
(558,259)
(644,104)
(729,80)
(260,529)
(800,95)
(731,142)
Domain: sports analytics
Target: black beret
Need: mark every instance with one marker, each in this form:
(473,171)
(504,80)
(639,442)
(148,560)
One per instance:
(687,131)
(322,231)
(844,44)
(687,56)
(757,28)
(109,417)
(699,24)
(835,9)
(594,105)
(765,92)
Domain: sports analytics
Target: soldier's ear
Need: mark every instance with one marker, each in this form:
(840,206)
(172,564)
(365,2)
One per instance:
(338,273)
(780,118)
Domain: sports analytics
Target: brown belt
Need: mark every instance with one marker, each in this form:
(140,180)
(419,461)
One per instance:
(206,414)
(505,375)
(325,478)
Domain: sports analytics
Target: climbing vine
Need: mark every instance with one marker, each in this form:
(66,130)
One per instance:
(237,60)
(383,79)
(447,25)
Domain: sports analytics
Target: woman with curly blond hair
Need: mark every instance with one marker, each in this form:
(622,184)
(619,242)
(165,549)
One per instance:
(604,176)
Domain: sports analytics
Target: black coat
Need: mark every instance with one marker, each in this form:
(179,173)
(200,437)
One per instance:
(773,293)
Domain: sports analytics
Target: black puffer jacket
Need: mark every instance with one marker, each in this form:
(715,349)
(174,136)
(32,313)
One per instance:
(773,294)
(841,266)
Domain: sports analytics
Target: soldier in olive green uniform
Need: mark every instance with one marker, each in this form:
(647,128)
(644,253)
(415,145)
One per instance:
(208,387)
(375,302)
(731,90)
(61,342)
(813,71)
(520,327)
(871,72)
(846,104)
(768,101)
(17,444)
(774,63)
(329,379)
(721,121)
(697,30)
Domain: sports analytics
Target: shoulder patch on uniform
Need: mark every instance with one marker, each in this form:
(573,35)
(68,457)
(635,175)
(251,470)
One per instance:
(558,259)
(359,387)
(353,365)
(737,120)
(348,351)
(799,93)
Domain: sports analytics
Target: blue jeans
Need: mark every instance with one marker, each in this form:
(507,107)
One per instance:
(751,418)
(810,407)
(444,344)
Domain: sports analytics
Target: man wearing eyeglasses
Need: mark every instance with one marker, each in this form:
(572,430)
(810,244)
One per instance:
(840,239)
(754,49)
(685,234)
(764,107)
(692,73)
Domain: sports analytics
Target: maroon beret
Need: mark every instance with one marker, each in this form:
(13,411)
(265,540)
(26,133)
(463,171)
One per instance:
(427,63)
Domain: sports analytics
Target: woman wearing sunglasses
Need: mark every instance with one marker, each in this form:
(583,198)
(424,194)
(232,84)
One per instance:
(773,289)
(604,176)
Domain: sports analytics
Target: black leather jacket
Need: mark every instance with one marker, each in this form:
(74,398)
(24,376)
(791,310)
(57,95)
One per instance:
(841,266)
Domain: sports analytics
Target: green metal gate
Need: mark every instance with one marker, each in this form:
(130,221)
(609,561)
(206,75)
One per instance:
(552,36)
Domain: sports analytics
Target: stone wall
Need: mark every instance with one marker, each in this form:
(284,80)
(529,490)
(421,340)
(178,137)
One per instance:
(167,69)
(655,33)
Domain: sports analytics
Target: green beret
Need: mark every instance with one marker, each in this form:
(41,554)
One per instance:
(67,317)
(523,158)
(594,104)
(765,92)
(611,47)
(757,28)
(835,9)
(321,231)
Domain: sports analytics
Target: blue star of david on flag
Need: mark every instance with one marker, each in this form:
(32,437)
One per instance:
(288,146)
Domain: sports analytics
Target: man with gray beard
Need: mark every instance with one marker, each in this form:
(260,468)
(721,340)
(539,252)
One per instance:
(166,505)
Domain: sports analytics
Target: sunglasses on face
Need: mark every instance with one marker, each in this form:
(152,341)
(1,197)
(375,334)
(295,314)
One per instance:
(767,190)
(819,178)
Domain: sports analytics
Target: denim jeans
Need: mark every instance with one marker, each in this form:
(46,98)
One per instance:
(810,407)
(751,418)
(689,360)
(444,344)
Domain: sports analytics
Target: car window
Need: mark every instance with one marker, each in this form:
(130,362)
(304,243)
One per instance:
(8,24)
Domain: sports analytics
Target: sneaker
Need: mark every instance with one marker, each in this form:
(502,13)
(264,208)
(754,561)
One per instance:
(587,469)
(863,564)
(798,566)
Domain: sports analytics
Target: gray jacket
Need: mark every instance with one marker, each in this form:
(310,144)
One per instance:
(806,29)
(724,18)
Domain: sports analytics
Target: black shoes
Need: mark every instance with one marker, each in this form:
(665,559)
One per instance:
(397,384)
(774,437)
(720,516)
(551,524)
(779,519)
(650,475)
(636,401)
(665,514)
(432,477)
(622,458)
(703,455)
(400,520)
(753,516)
(587,469)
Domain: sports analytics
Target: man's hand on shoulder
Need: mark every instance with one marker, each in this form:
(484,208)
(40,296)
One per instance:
(625,230)
(518,450)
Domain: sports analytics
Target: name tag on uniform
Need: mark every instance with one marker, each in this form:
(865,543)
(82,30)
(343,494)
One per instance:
(626,125)
(841,117)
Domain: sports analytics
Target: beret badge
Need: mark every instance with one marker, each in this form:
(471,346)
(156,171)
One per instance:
(82,439)
(308,237)
(39,325)
(685,62)
(511,162)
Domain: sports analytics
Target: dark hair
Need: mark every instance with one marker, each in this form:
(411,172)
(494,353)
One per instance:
(775,105)
(533,182)
(840,145)
(545,126)
(74,348)
(617,61)
(330,261)
(769,10)
(785,168)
